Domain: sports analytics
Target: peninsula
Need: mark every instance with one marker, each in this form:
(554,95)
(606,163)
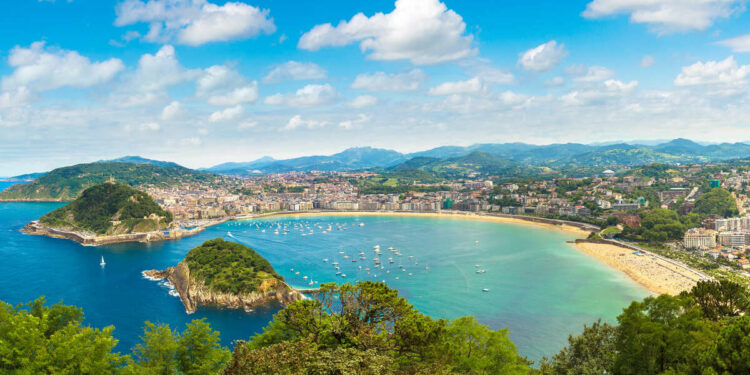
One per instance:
(109,213)
(226,274)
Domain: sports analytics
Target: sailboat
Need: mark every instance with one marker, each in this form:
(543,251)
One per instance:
(102,263)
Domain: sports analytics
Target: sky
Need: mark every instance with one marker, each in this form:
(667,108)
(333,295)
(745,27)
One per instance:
(201,82)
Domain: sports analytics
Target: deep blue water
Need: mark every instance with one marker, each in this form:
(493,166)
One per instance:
(540,287)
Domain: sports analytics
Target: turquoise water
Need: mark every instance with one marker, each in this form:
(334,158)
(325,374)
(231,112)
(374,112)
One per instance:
(539,286)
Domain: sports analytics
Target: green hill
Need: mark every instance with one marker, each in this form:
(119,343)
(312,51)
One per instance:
(110,209)
(64,184)
(229,267)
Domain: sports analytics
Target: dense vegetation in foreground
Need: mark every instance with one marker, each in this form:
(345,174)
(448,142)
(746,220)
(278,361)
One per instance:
(229,266)
(67,183)
(100,206)
(368,329)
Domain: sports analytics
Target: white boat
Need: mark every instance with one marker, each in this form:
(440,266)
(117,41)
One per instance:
(325,260)
(361,224)
(296,273)
(343,275)
(102,263)
(485,290)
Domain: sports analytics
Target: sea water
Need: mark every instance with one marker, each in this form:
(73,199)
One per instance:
(537,285)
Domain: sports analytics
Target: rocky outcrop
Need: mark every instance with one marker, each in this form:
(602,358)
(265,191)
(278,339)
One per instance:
(194,293)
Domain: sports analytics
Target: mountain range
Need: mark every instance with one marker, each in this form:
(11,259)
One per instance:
(557,155)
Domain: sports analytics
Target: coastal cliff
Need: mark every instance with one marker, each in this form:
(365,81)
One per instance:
(235,277)
(194,293)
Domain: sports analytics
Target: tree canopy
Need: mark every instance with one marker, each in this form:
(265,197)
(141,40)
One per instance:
(718,201)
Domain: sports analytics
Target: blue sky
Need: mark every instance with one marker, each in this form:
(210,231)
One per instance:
(201,82)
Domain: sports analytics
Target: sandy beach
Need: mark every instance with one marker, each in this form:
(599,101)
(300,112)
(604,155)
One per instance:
(656,275)
(578,232)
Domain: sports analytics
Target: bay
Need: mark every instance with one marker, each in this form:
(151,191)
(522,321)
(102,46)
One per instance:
(539,286)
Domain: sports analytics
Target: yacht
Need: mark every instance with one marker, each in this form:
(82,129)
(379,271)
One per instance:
(102,263)
(485,290)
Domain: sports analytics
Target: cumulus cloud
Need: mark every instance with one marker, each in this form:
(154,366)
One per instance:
(350,124)
(190,141)
(195,22)
(41,68)
(161,70)
(554,82)
(15,98)
(380,81)
(308,96)
(222,86)
(492,75)
(172,111)
(227,114)
(421,31)
(144,127)
(297,122)
(737,44)
(295,71)
(470,86)
(247,125)
(599,93)
(542,58)
(363,101)
(595,74)
(667,16)
(724,77)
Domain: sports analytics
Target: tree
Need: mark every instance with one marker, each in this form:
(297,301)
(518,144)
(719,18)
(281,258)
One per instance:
(39,339)
(718,201)
(720,299)
(590,353)
(732,351)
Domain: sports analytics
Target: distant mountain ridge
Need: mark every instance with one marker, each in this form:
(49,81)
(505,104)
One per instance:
(560,154)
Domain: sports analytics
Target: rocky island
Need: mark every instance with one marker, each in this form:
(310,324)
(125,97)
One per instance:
(226,274)
(109,213)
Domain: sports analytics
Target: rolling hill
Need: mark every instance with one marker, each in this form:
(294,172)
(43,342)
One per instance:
(64,184)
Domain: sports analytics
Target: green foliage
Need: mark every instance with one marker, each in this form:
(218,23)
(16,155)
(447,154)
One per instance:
(718,201)
(68,182)
(657,225)
(345,325)
(39,339)
(99,205)
(704,331)
(196,351)
(590,353)
(229,266)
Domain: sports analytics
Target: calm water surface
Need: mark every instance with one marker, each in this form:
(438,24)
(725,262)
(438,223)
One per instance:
(539,286)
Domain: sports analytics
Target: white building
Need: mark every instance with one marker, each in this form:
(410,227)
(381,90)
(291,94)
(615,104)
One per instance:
(697,238)
(732,239)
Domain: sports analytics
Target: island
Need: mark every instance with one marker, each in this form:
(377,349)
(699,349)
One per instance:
(110,213)
(226,274)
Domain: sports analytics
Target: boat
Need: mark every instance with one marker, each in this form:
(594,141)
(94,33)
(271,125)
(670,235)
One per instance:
(102,263)
(481,271)
(361,224)
(325,260)
(304,277)
(296,273)
(485,290)
(343,275)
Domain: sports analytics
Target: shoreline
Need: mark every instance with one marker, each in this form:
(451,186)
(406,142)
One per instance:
(37,229)
(656,274)
(563,226)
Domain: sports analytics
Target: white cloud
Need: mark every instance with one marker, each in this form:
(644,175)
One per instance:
(222,86)
(40,68)
(247,125)
(195,22)
(144,127)
(724,77)
(470,86)
(737,44)
(190,141)
(666,16)
(492,75)
(381,81)
(308,96)
(15,98)
(595,74)
(599,93)
(421,31)
(297,122)
(647,61)
(227,114)
(350,124)
(542,58)
(363,101)
(172,111)
(159,71)
(295,71)
(555,82)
